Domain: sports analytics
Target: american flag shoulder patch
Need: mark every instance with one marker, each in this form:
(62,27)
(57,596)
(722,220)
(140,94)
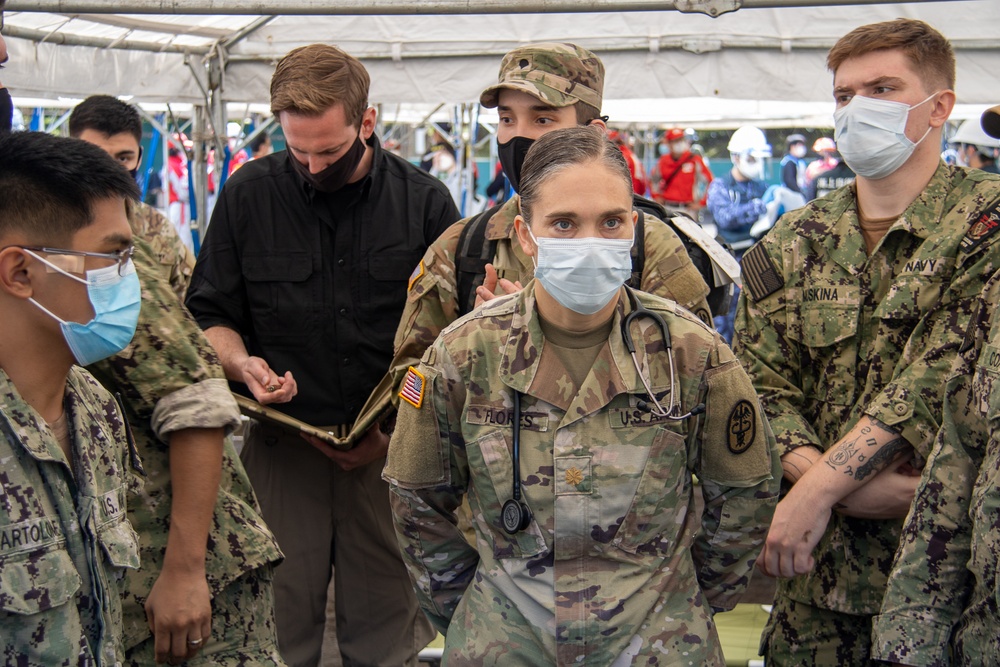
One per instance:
(413,387)
(415,276)
(759,274)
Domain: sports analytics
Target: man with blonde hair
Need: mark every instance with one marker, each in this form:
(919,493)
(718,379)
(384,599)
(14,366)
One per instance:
(299,286)
(852,313)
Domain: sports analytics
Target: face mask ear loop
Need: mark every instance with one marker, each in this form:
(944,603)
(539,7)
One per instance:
(918,141)
(47,311)
(534,258)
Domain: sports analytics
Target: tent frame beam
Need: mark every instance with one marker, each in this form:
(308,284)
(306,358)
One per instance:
(408,7)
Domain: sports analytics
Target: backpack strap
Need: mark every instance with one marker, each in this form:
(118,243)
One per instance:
(638,251)
(473,253)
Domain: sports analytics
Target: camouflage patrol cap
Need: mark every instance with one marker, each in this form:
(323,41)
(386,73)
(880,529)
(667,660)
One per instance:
(557,74)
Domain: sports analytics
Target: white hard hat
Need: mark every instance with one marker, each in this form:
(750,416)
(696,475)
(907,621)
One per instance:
(749,139)
(971,132)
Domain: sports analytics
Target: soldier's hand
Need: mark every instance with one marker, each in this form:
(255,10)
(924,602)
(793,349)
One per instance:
(488,290)
(266,385)
(372,446)
(179,614)
(888,496)
(795,531)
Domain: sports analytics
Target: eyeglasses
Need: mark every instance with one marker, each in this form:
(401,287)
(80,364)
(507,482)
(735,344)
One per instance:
(123,257)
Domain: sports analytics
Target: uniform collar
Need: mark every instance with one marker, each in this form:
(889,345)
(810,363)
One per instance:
(833,223)
(32,432)
(501,223)
(525,369)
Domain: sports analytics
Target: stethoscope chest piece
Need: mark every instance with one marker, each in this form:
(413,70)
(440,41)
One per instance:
(515,516)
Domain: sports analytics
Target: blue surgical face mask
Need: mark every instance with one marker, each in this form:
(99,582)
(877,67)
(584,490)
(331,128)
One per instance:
(871,135)
(582,274)
(116,298)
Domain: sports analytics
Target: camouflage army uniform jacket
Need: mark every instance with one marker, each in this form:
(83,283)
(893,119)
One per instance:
(432,302)
(173,257)
(829,333)
(171,379)
(64,537)
(616,566)
(944,582)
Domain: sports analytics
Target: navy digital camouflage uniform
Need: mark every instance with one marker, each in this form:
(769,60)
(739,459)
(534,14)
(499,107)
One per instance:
(941,603)
(171,379)
(829,333)
(65,541)
(616,565)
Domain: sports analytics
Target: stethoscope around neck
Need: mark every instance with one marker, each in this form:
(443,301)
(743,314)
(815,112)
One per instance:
(515,514)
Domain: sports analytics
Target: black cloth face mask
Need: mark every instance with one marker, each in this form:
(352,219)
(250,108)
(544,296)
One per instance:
(138,163)
(511,156)
(335,176)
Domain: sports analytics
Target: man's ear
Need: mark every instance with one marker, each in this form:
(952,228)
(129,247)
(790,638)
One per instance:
(598,122)
(368,119)
(523,237)
(943,106)
(15,279)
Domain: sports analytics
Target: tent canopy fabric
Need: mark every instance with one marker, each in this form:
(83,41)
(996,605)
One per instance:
(754,62)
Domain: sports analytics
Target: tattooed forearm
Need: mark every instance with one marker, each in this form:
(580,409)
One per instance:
(881,458)
(874,449)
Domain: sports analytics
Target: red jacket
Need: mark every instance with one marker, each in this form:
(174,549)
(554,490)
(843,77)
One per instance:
(681,186)
(635,169)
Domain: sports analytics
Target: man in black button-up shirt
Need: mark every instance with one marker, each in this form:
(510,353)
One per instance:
(300,285)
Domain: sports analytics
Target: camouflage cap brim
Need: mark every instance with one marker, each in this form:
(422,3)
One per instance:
(547,94)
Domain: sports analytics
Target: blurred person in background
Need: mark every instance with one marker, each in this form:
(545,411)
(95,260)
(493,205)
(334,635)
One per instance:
(976,149)
(674,180)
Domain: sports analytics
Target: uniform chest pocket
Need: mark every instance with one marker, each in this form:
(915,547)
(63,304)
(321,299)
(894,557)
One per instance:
(492,477)
(36,581)
(909,298)
(120,545)
(284,296)
(657,495)
(828,332)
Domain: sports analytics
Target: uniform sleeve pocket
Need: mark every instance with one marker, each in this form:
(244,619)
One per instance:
(36,582)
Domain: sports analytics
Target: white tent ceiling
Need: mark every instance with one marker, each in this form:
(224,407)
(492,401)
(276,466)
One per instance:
(663,66)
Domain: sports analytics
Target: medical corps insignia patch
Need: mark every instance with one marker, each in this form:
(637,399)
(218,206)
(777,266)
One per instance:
(982,227)
(413,388)
(742,427)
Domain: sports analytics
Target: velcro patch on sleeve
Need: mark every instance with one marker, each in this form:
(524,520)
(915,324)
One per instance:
(413,387)
(759,275)
(734,437)
(417,453)
(982,226)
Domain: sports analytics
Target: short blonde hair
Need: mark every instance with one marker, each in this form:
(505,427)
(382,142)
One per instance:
(311,79)
(930,52)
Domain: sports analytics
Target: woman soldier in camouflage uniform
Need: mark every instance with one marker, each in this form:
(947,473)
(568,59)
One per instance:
(599,556)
